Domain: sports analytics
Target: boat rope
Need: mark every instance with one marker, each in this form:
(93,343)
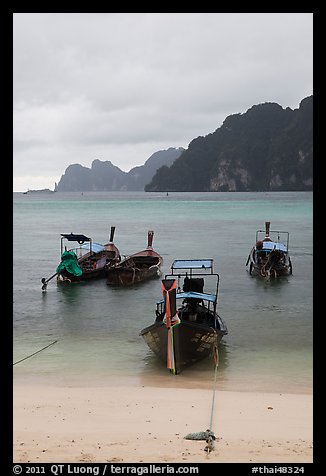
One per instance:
(267,272)
(208,435)
(251,252)
(211,437)
(31,355)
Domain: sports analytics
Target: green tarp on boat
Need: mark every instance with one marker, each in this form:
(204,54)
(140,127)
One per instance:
(69,262)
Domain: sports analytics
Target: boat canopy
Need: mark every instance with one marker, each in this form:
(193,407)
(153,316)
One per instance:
(72,237)
(273,245)
(192,264)
(96,247)
(194,295)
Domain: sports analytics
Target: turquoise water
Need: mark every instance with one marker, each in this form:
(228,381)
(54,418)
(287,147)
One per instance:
(269,344)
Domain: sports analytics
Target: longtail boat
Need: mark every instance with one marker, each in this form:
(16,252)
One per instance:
(187,327)
(269,257)
(88,260)
(137,267)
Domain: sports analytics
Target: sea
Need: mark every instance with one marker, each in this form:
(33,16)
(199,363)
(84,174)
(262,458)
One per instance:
(89,331)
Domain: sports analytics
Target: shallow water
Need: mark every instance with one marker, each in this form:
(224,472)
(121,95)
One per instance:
(269,344)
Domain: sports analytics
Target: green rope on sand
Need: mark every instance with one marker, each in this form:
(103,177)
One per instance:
(207,435)
(200,435)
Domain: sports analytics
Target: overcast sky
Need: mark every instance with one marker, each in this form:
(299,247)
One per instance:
(121,86)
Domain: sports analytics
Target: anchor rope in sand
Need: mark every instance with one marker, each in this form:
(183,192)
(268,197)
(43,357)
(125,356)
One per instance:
(211,437)
(208,435)
(31,355)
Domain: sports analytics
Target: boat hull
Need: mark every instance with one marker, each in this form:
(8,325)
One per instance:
(66,277)
(138,267)
(267,268)
(135,268)
(120,276)
(93,267)
(269,257)
(191,342)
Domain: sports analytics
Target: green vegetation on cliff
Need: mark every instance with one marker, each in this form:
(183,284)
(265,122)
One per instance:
(268,148)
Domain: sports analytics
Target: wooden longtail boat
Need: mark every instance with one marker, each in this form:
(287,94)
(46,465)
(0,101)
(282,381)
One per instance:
(192,330)
(87,261)
(136,268)
(269,258)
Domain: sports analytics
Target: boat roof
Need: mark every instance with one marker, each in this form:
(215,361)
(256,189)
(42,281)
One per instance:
(194,295)
(73,237)
(192,264)
(97,247)
(273,245)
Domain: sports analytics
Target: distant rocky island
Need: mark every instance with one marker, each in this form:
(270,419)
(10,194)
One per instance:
(267,148)
(42,190)
(104,176)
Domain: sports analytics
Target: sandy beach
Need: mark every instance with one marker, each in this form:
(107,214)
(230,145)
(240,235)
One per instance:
(135,424)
